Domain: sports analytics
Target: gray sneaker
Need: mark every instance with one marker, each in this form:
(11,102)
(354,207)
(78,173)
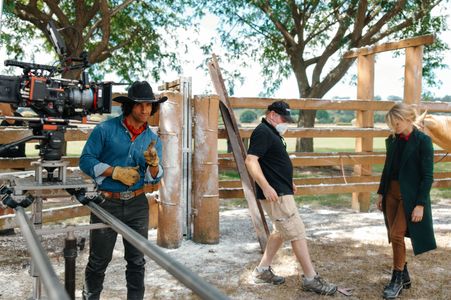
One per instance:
(267,276)
(318,285)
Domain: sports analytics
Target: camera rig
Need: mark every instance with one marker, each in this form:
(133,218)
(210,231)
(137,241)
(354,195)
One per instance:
(58,102)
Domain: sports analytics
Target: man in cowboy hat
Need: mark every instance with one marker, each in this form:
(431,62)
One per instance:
(121,155)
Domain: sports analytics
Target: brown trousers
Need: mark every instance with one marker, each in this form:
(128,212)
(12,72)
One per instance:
(397,224)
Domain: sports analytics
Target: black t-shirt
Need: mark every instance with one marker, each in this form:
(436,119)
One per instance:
(270,147)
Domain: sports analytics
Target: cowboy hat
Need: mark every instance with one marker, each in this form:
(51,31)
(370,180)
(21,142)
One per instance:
(140,92)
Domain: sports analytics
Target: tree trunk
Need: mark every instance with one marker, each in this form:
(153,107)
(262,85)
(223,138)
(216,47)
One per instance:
(306,120)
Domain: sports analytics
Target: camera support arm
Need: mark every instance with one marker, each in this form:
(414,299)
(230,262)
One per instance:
(21,141)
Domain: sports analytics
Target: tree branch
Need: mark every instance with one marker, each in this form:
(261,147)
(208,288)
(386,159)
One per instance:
(113,12)
(282,29)
(336,42)
(105,28)
(55,9)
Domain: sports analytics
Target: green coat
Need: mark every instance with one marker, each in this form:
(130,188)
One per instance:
(415,179)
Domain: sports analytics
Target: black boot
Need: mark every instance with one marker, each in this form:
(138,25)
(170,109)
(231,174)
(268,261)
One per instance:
(406,283)
(394,289)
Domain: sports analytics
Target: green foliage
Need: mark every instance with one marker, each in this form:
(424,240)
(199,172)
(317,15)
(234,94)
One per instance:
(119,38)
(323,117)
(287,37)
(248,116)
(379,117)
(394,98)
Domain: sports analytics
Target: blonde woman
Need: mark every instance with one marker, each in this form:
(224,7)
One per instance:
(404,193)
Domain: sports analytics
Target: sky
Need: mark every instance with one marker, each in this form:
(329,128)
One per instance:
(389,73)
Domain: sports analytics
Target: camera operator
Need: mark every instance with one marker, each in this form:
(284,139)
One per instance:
(122,154)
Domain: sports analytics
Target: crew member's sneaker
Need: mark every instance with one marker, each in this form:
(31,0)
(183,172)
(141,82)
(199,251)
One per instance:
(267,276)
(318,285)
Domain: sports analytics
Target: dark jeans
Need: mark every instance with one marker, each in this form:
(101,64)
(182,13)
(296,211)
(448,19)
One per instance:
(135,213)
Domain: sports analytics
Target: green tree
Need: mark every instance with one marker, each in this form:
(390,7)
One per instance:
(323,117)
(123,34)
(308,38)
(248,116)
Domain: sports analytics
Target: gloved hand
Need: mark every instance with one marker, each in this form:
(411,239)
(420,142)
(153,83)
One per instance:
(127,175)
(151,155)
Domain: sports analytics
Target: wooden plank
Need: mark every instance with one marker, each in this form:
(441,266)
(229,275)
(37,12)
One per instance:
(324,104)
(310,181)
(322,189)
(364,119)
(49,215)
(172,85)
(413,75)
(332,132)
(10,163)
(228,163)
(12,134)
(406,43)
(239,152)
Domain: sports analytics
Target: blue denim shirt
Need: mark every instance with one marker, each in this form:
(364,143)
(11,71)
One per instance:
(110,145)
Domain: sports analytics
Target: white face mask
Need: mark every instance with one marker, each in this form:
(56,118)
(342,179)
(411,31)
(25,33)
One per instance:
(282,128)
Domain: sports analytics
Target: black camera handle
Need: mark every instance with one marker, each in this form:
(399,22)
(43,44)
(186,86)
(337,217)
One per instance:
(29,66)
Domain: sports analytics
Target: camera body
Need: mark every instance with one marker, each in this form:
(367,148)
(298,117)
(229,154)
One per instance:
(54,97)
(48,96)
(56,100)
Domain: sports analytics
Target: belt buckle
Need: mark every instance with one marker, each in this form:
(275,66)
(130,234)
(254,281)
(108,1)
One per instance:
(127,195)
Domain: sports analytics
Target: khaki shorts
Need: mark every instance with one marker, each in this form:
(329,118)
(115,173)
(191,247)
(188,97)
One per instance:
(285,218)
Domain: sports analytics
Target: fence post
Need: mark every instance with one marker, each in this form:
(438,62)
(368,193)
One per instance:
(205,171)
(169,234)
(413,75)
(153,121)
(365,119)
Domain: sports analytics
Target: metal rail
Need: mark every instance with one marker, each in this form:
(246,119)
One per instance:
(191,280)
(55,290)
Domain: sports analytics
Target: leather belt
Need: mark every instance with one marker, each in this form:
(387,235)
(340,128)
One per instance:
(127,195)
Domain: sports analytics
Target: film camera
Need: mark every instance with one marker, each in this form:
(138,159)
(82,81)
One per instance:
(55,100)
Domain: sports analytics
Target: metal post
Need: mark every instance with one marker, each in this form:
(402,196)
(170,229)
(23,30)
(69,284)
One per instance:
(41,262)
(191,280)
(70,255)
(36,217)
(185,89)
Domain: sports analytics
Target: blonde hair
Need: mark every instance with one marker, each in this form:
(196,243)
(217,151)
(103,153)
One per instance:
(401,111)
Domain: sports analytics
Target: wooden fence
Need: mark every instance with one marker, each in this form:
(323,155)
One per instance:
(338,184)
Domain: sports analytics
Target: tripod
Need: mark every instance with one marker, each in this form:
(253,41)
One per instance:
(50,177)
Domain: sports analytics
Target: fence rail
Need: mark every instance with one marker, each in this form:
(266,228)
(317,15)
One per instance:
(232,189)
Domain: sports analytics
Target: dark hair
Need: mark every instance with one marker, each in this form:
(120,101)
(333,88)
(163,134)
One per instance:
(127,108)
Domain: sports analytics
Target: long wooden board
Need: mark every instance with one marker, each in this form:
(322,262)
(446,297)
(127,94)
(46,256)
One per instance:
(239,153)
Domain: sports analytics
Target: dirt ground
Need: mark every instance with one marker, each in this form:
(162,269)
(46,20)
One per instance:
(347,248)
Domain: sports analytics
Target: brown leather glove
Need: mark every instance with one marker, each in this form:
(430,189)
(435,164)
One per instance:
(151,155)
(127,175)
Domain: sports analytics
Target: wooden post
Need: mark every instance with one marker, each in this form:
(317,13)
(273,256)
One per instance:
(169,233)
(413,75)
(365,91)
(153,120)
(205,171)
(239,153)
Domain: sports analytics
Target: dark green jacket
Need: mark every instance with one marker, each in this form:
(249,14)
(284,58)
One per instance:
(415,179)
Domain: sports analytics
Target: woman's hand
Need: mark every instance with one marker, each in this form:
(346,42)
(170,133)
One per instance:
(417,214)
(379,202)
